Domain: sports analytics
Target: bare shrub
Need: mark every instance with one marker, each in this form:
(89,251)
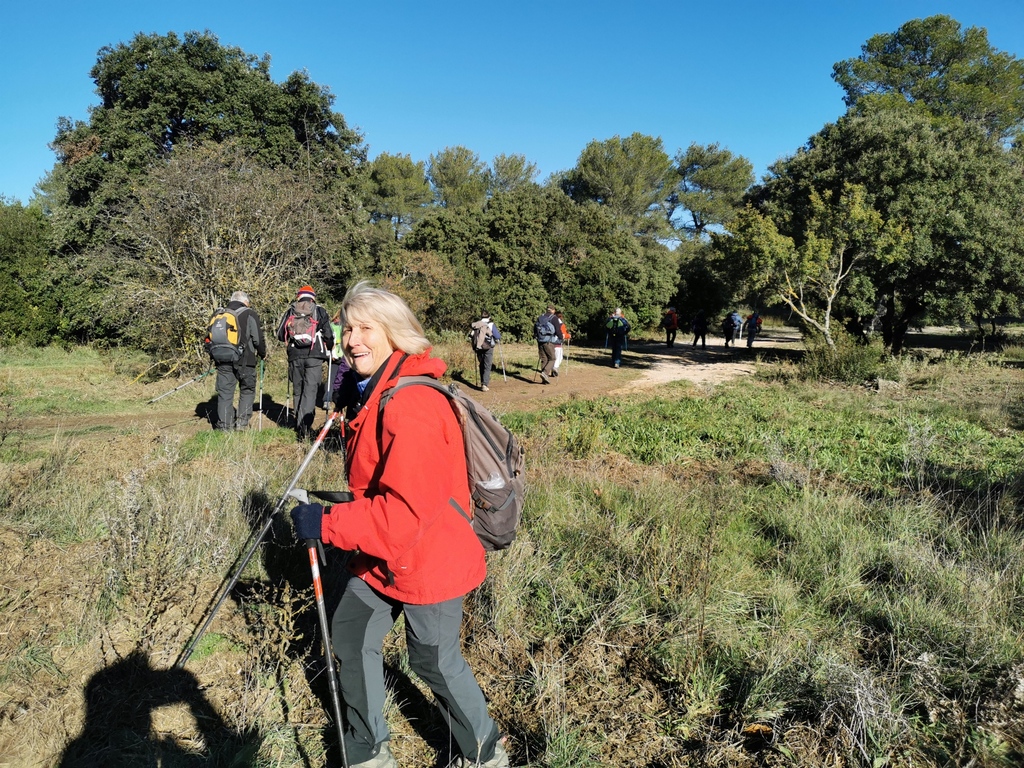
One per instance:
(209,222)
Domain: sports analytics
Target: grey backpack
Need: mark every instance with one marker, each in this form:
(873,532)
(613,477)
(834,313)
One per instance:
(494,460)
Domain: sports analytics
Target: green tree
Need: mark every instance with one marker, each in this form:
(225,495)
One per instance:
(396,191)
(30,310)
(958,194)
(159,92)
(458,177)
(536,246)
(628,175)
(952,71)
(510,172)
(842,232)
(708,190)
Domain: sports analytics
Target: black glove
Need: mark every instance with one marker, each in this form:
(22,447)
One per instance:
(309,520)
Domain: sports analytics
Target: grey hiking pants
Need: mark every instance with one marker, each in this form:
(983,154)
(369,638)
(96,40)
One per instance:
(360,623)
(228,375)
(305,374)
(485,359)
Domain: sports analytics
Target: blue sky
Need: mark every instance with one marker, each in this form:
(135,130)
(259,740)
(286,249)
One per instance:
(540,79)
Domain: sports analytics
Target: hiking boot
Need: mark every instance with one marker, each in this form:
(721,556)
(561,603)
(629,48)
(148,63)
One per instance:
(500,760)
(554,372)
(485,388)
(383,759)
(545,378)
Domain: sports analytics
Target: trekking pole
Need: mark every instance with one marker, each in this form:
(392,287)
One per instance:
(330,385)
(288,398)
(332,675)
(230,582)
(502,353)
(182,386)
(261,396)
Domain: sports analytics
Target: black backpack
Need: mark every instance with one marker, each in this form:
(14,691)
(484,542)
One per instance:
(494,460)
(225,342)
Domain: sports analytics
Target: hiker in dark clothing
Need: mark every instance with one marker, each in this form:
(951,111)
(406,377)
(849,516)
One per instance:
(484,334)
(618,327)
(547,332)
(700,329)
(241,373)
(306,329)
(731,327)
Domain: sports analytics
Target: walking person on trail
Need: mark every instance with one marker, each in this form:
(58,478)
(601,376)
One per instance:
(484,334)
(235,354)
(670,322)
(306,330)
(752,326)
(700,329)
(618,327)
(416,553)
(564,337)
(731,327)
(545,330)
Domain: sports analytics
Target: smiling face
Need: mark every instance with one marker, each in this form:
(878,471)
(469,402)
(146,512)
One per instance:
(366,345)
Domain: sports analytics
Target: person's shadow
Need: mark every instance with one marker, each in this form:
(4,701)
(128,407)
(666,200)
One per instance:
(118,733)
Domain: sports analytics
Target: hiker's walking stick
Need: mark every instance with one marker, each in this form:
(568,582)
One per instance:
(288,398)
(261,396)
(258,537)
(325,633)
(502,353)
(182,386)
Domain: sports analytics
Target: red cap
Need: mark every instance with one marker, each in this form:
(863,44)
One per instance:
(307,292)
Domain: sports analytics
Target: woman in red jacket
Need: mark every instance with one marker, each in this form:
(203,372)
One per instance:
(415,552)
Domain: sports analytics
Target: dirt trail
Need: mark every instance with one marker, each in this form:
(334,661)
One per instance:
(588,373)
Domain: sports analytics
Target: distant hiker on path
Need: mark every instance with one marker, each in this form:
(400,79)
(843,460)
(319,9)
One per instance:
(484,334)
(752,326)
(545,330)
(670,322)
(306,330)
(564,337)
(234,342)
(699,326)
(731,327)
(618,328)
(415,553)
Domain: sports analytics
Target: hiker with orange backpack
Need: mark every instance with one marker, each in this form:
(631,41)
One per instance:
(306,331)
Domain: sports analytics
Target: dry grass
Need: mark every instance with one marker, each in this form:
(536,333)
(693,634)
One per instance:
(762,575)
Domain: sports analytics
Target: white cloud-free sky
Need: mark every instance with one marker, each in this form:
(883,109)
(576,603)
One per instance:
(536,78)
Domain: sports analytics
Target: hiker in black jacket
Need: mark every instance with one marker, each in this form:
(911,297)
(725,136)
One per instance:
(306,329)
(242,372)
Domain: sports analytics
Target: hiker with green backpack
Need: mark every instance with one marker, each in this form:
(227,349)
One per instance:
(306,331)
(234,341)
(410,526)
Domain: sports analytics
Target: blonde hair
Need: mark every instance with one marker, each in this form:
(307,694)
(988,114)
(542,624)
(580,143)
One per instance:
(364,302)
